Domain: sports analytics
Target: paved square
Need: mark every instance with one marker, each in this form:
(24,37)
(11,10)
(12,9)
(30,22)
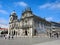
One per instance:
(26,41)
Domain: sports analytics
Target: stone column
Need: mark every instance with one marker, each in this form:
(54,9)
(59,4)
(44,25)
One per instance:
(31,32)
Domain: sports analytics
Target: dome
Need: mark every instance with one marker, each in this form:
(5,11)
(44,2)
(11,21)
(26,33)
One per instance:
(13,13)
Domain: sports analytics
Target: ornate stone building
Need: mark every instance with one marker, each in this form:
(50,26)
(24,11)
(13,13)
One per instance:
(55,27)
(28,25)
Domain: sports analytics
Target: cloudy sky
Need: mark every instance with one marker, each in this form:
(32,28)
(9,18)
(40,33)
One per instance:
(48,9)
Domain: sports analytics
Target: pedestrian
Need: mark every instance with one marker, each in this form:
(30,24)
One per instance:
(12,37)
(50,35)
(57,35)
(4,36)
(9,37)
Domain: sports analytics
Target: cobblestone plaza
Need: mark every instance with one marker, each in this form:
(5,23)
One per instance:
(26,40)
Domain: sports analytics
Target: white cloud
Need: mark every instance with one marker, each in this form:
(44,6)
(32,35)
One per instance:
(3,23)
(3,26)
(55,5)
(49,19)
(3,11)
(45,5)
(21,4)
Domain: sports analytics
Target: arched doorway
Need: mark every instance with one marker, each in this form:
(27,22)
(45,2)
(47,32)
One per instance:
(26,32)
(13,32)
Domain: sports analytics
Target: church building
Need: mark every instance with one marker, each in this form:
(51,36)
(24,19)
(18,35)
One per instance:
(28,25)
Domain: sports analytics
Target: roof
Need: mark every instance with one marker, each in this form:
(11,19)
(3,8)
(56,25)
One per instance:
(13,13)
(37,18)
(41,19)
(3,29)
(55,24)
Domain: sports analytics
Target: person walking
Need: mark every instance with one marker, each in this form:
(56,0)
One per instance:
(57,35)
(9,37)
(12,37)
(50,35)
(4,36)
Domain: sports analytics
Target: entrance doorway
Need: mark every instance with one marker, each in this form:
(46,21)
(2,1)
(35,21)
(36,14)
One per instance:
(35,32)
(26,32)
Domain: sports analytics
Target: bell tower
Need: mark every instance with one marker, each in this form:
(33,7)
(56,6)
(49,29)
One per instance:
(13,17)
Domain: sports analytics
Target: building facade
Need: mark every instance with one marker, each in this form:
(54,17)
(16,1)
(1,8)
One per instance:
(28,25)
(55,28)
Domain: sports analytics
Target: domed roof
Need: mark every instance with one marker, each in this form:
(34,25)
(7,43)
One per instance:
(13,13)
